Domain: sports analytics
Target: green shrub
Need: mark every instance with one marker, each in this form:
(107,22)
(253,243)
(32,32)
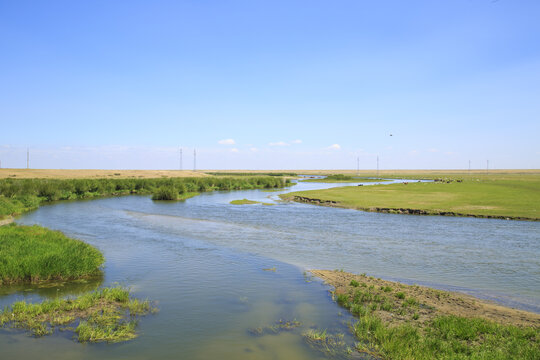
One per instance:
(165,193)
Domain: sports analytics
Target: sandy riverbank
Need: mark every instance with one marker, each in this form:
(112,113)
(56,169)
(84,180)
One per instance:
(431,302)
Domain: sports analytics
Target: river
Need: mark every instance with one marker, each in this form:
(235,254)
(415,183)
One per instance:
(202,261)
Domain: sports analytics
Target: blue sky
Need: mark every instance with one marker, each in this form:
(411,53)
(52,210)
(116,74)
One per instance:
(287,84)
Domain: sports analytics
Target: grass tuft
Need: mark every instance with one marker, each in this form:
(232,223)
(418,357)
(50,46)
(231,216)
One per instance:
(34,254)
(106,314)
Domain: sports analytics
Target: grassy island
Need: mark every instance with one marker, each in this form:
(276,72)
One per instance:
(107,314)
(489,197)
(34,254)
(248,202)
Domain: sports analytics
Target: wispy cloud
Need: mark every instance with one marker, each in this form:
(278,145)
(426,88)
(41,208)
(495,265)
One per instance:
(334,147)
(235,150)
(278,143)
(226,142)
(297,141)
(253,149)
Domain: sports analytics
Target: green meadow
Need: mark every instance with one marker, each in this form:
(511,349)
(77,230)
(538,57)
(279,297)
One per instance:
(512,197)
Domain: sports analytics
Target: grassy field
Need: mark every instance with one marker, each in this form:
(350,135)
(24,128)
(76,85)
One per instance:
(397,321)
(34,253)
(502,196)
(96,174)
(107,314)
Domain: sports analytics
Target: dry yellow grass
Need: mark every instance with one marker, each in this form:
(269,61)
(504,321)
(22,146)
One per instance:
(89,174)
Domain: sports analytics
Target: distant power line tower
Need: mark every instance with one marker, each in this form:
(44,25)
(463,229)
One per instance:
(358,165)
(487,167)
(377,165)
(194,160)
(28,158)
(180,158)
(469,167)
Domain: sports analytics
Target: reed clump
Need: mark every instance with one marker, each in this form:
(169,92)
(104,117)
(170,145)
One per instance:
(35,254)
(20,195)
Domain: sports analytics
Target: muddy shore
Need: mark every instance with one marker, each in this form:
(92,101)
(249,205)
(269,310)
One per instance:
(432,302)
(331,203)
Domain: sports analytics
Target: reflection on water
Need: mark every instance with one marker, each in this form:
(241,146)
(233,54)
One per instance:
(202,260)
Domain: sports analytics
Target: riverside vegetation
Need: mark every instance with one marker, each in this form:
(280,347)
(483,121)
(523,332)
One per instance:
(20,195)
(34,254)
(397,321)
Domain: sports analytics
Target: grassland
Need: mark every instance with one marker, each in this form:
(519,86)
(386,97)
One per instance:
(96,174)
(397,321)
(512,196)
(34,254)
(107,314)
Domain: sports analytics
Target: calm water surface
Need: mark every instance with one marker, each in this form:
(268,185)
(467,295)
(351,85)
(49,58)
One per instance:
(202,260)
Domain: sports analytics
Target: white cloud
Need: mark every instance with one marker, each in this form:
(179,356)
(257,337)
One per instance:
(298,141)
(235,150)
(334,147)
(279,143)
(226,142)
(253,149)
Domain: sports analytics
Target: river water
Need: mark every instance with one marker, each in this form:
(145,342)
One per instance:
(202,261)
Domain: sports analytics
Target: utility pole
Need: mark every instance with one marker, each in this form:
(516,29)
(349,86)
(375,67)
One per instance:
(469,167)
(180,158)
(28,158)
(487,167)
(358,166)
(194,160)
(377,165)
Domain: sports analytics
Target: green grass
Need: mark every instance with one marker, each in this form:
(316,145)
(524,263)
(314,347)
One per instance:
(34,253)
(244,202)
(447,337)
(516,198)
(20,195)
(107,314)
(393,325)
(172,193)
